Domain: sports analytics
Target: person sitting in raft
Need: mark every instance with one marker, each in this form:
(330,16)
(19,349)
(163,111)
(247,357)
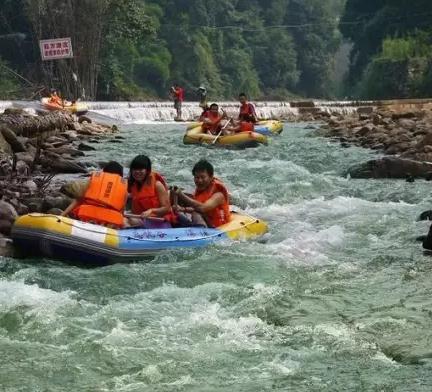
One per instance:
(149,193)
(104,199)
(55,98)
(247,110)
(210,198)
(212,119)
(240,126)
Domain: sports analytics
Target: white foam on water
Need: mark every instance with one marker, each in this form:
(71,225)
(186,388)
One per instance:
(308,246)
(39,301)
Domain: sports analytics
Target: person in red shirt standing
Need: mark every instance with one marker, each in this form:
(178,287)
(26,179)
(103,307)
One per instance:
(177,94)
(247,110)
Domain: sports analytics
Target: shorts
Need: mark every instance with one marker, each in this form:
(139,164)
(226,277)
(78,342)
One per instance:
(177,105)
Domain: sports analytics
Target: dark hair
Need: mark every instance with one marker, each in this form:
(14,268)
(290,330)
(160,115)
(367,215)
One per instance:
(242,95)
(203,165)
(214,105)
(139,162)
(114,168)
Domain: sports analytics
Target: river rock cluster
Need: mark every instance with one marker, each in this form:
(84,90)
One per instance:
(34,151)
(403,138)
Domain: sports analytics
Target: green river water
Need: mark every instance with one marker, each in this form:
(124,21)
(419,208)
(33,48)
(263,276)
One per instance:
(336,297)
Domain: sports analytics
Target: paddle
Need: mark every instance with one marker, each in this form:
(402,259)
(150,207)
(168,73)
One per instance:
(153,218)
(220,132)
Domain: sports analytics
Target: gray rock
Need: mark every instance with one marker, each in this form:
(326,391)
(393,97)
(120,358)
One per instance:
(11,138)
(7,211)
(391,167)
(26,157)
(85,147)
(31,186)
(54,211)
(6,247)
(59,202)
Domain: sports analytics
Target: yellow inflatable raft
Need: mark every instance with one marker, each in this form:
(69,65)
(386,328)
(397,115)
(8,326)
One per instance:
(76,107)
(196,135)
(265,127)
(69,239)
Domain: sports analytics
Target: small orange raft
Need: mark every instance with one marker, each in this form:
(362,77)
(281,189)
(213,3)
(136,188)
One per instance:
(75,107)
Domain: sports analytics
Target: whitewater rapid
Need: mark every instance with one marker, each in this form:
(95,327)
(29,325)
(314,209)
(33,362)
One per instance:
(336,297)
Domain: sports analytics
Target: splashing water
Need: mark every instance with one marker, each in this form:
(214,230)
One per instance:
(336,298)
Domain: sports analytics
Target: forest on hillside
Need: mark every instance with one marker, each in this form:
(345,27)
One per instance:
(270,49)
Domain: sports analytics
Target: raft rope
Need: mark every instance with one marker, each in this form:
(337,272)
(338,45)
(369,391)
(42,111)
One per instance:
(118,235)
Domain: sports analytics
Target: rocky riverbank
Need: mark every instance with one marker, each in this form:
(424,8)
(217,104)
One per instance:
(404,137)
(34,152)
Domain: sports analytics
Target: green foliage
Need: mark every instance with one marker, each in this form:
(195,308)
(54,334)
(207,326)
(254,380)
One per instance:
(129,49)
(396,31)
(401,69)
(9,85)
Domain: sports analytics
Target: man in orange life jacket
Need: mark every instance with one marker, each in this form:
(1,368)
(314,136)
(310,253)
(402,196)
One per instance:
(247,110)
(212,119)
(210,198)
(104,199)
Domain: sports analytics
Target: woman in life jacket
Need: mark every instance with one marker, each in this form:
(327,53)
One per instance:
(104,198)
(149,194)
(210,198)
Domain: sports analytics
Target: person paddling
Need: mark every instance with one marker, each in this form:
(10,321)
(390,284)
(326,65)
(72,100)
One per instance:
(212,119)
(210,200)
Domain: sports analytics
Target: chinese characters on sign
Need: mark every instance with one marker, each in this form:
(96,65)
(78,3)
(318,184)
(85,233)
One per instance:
(53,49)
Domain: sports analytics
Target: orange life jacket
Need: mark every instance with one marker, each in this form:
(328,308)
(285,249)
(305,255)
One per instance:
(221,214)
(214,126)
(146,197)
(246,126)
(104,200)
(55,99)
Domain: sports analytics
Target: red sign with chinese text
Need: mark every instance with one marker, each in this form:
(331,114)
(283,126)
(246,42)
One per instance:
(58,48)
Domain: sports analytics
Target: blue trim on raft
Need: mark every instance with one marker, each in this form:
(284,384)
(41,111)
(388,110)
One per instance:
(263,130)
(141,239)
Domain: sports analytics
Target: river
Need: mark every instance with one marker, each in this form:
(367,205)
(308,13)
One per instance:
(336,297)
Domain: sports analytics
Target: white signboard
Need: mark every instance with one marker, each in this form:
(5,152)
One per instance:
(58,48)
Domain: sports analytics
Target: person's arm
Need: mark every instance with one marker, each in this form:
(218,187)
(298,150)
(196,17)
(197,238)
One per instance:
(70,207)
(163,197)
(216,200)
(253,112)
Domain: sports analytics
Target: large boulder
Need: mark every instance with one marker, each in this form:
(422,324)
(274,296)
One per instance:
(391,167)
(7,211)
(4,145)
(11,138)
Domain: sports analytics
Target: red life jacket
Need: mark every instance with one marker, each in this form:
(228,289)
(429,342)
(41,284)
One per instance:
(146,197)
(246,126)
(221,214)
(104,200)
(215,125)
(247,112)
(179,94)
